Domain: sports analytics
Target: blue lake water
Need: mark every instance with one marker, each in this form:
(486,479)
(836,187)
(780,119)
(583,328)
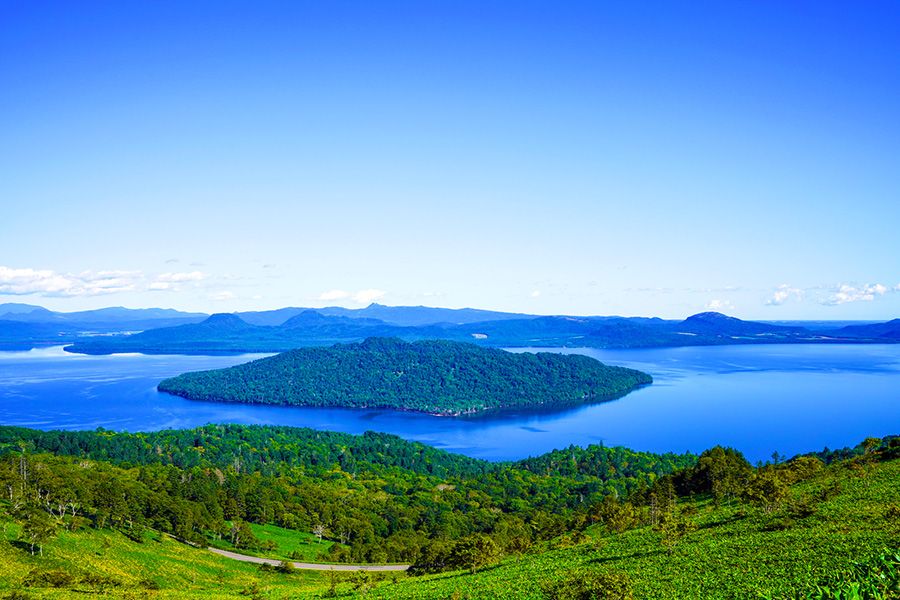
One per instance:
(759,399)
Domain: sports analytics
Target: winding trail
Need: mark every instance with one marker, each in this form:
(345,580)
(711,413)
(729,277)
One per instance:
(305,565)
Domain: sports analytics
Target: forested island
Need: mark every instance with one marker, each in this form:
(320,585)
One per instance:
(437,376)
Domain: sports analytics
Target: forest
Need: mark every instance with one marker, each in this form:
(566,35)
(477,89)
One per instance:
(377,498)
(382,498)
(436,376)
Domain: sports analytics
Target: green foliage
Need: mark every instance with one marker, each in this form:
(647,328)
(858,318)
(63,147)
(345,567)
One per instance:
(589,584)
(438,377)
(616,516)
(672,527)
(801,548)
(875,579)
(731,554)
(766,489)
(377,497)
(474,552)
(37,526)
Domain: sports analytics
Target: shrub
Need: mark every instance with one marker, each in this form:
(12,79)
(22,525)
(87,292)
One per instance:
(583,584)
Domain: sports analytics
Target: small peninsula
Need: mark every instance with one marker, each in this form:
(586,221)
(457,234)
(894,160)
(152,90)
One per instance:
(438,377)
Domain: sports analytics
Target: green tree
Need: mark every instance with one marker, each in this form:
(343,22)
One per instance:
(722,472)
(673,527)
(766,489)
(37,528)
(475,552)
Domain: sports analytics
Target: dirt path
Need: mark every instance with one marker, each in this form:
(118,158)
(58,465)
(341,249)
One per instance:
(304,565)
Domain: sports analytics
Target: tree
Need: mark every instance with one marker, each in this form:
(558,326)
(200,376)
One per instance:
(673,527)
(319,531)
(37,528)
(722,472)
(474,552)
(242,536)
(766,489)
(616,516)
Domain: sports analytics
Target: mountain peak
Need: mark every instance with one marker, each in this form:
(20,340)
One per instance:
(307,317)
(710,317)
(225,320)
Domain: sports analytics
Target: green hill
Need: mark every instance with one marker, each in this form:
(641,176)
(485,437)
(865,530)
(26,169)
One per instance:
(835,535)
(823,528)
(438,377)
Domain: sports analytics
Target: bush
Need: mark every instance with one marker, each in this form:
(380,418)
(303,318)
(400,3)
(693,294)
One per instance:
(55,578)
(589,585)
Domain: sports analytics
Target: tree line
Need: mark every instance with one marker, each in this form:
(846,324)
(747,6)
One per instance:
(377,496)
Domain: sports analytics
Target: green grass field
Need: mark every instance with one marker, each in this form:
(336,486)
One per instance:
(108,563)
(730,555)
(289,544)
(844,514)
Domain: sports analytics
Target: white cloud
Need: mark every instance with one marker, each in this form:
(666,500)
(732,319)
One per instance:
(333,295)
(368,296)
(845,293)
(45,282)
(535,293)
(225,295)
(783,293)
(181,277)
(719,305)
(168,282)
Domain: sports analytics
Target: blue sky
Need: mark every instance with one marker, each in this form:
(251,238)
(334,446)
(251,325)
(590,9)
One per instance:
(654,158)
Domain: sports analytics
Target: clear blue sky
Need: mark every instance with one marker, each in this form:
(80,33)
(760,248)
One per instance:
(551,157)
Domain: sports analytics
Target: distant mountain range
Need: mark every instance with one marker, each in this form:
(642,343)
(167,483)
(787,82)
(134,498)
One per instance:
(162,331)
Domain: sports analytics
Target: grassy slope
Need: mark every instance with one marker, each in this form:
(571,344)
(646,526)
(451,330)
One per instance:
(306,546)
(730,555)
(134,570)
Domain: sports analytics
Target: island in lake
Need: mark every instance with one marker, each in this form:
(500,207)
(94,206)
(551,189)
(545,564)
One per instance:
(439,377)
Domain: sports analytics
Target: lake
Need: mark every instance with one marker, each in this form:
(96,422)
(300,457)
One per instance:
(759,399)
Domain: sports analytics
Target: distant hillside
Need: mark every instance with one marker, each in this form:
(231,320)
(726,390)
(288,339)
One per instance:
(104,320)
(889,331)
(702,329)
(313,327)
(229,333)
(160,331)
(415,316)
(717,324)
(271,318)
(18,335)
(437,377)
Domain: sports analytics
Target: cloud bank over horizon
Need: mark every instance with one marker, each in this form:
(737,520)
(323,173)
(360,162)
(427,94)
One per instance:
(86,284)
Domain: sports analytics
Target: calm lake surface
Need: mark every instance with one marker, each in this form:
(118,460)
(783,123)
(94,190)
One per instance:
(759,399)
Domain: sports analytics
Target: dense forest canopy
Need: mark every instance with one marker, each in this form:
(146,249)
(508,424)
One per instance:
(438,377)
(379,497)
